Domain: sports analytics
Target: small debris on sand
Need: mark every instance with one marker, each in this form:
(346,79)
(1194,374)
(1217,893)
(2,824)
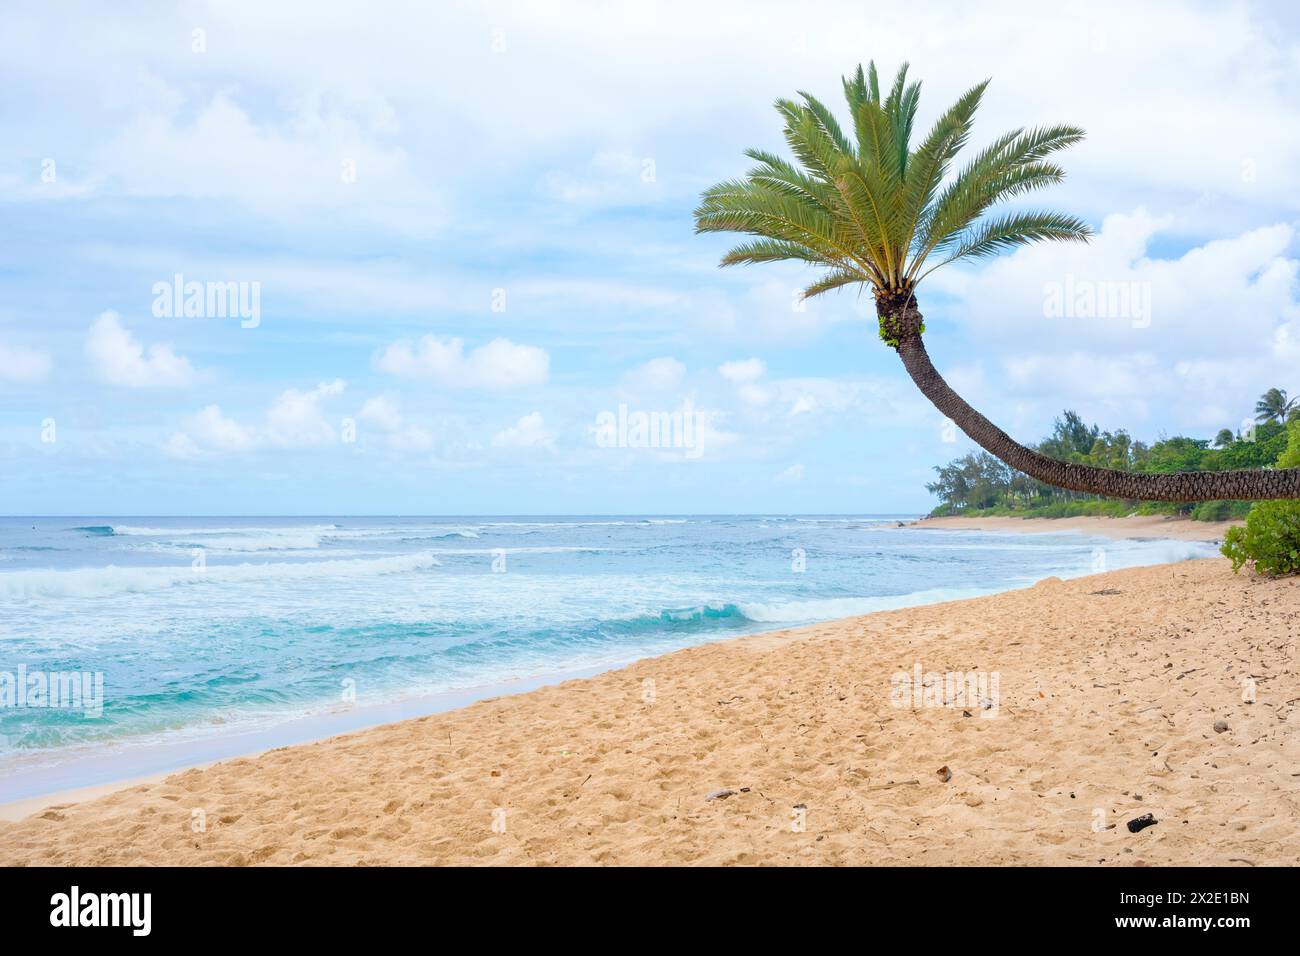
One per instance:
(1141,823)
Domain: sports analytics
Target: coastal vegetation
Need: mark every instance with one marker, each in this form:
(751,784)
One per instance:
(979,484)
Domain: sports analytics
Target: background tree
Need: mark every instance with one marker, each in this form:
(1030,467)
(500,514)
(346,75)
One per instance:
(1274,406)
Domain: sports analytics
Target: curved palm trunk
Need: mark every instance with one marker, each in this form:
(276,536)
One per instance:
(1179,486)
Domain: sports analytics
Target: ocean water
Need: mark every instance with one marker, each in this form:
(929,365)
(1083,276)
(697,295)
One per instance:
(204,627)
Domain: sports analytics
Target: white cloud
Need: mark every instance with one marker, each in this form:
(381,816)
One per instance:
(26,189)
(781,417)
(1226,295)
(1286,341)
(211,430)
(803,405)
(382,411)
(181,445)
(761,308)
(1222,74)
(598,293)
(274,112)
(611,176)
(120,358)
(744,374)
(790,476)
(22,365)
(312,155)
(411,438)
(1202,333)
(745,370)
(498,365)
(658,374)
(295,419)
(528,432)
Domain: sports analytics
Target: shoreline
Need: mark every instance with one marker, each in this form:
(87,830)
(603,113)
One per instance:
(1137,527)
(155,761)
(602,770)
(101,769)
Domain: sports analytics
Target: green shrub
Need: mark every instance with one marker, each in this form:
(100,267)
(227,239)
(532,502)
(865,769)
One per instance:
(1220,510)
(1156,508)
(1270,541)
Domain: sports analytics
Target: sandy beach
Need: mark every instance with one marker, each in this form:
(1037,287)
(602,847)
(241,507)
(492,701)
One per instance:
(1133,526)
(1099,705)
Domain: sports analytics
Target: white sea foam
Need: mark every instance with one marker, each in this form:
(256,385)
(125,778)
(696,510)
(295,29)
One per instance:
(791,612)
(291,538)
(251,543)
(553,549)
(133,530)
(111,580)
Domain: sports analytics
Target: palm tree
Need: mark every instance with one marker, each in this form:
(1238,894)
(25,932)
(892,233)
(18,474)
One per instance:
(1273,406)
(874,211)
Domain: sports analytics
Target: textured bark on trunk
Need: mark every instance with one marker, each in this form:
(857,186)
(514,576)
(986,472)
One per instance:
(904,327)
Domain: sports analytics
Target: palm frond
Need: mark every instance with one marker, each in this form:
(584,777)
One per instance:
(1011,165)
(771,250)
(1014,229)
(826,120)
(762,211)
(929,164)
(833,280)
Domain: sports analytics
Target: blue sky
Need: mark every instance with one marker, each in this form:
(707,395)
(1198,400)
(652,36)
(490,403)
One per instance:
(470,230)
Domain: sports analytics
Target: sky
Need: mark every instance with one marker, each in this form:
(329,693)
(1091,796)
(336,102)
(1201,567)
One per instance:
(440,258)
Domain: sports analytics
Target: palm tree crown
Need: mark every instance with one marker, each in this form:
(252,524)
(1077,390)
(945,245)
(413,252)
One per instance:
(1273,405)
(874,210)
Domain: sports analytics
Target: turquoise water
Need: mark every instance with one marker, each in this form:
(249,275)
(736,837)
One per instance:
(203,626)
